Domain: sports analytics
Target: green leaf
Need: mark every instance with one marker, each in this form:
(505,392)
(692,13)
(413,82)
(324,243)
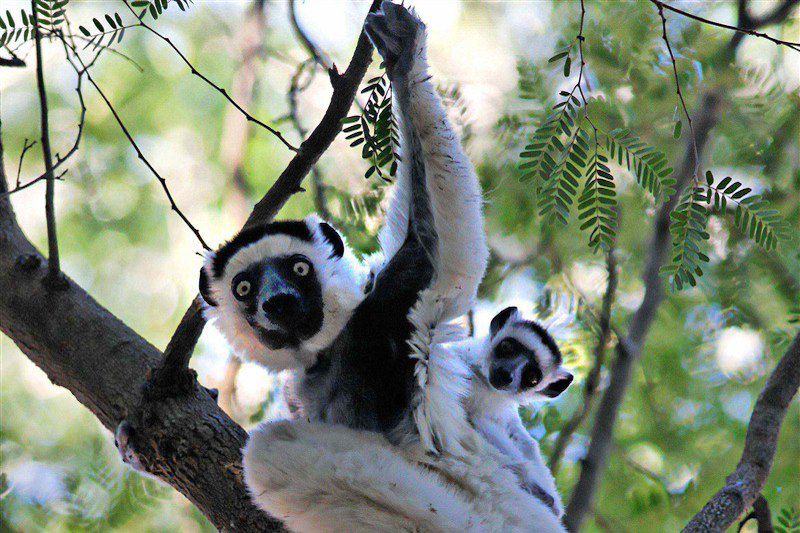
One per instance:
(567,65)
(676,132)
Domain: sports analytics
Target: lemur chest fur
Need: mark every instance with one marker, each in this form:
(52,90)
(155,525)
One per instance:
(365,378)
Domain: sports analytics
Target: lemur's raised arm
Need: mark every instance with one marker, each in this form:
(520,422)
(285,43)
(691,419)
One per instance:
(437,199)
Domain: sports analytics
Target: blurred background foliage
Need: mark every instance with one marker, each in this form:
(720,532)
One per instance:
(683,422)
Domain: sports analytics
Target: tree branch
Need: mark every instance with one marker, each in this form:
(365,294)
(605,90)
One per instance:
(762,515)
(53,279)
(749,24)
(593,378)
(318,56)
(744,486)
(216,87)
(161,180)
(189,442)
(629,348)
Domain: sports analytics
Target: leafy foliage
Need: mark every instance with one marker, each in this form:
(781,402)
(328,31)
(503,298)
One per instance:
(788,521)
(597,204)
(116,30)
(11,32)
(647,164)
(376,129)
(688,227)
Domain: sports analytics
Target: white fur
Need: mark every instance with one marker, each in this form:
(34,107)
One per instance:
(442,380)
(342,281)
(462,254)
(319,478)
(495,414)
(454,192)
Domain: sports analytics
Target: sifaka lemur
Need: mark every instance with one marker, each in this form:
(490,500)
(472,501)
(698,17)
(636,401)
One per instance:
(517,363)
(387,444)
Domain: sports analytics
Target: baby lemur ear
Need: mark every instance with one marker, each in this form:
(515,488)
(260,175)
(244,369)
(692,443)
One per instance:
(559,384)
(500,320)
(333,238)
(205,288)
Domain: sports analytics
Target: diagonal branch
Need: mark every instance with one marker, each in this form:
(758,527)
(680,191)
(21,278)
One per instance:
(749,24)
(216,87)
(744,486)
(593,378)
(161,180)
(345,87)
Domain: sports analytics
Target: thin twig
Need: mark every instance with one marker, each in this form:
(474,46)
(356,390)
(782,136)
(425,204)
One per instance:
(25,148)
(53,264)
(745,484)
(216,87)
(34,181)
(161,180)
(660,6)
(748,31)
(298,85)
(318,56)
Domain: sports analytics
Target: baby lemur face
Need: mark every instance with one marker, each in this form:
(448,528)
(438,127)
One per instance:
(524,360)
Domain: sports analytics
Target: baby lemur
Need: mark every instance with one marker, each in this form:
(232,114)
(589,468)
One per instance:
(516,364)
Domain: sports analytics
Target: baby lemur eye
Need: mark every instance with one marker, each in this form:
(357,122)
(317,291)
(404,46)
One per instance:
(301,267)
(505,348)
(241,287)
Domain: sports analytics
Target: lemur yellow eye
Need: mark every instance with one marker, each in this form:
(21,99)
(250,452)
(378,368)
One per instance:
(243,288)
(301,268)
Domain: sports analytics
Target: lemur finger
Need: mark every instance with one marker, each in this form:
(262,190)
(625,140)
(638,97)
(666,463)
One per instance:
(387,43)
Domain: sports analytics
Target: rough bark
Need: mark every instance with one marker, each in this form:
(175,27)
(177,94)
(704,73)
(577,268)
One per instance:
(185,439)
(83,347)
(744,486)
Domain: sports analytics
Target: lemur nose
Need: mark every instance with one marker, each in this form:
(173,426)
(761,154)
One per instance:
(281,308)
(500,378)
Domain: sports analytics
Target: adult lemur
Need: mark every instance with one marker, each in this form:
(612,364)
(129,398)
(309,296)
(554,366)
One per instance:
(289,294)
(518,363)
(366,345)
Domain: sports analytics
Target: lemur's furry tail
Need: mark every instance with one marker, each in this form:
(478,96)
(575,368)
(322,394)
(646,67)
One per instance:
(442,380)
(326,478)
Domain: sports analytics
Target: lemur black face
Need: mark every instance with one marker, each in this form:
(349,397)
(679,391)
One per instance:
(513,366)
(281,298)
(524,358)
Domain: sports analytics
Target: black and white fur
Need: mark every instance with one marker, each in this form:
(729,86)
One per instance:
(366,359)
(386,444)
(518,363)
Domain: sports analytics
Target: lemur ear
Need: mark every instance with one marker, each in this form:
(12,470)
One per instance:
(205,288)
(333,238)
(500,320)
(559,384)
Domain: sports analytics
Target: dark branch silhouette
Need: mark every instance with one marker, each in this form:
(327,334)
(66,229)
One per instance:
(744,486)
(630,346)
(749,24)
(53,279)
